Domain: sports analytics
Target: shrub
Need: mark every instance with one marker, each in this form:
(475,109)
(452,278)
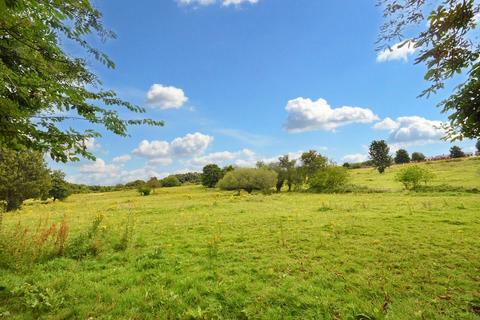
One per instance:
(145,190)
(329,179)
(211,175)
(418,157)
(170,181)
(413,176)
(249,179)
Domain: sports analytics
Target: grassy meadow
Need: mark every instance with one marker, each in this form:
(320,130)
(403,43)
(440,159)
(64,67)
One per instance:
(195,253)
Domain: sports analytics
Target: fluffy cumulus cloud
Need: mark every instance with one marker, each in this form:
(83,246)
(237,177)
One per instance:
(166,97)
(308,115)
(153,149)
(399,51)
(162,152)
(225,3)
(191,144)
(412,130)
(355,158)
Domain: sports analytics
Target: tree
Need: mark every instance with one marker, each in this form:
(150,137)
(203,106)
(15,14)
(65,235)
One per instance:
(418,157)
(227,169)
(401,156)
(379,154)
(59,189)
(249,179)
(477,145)
(170,181)
(456,152)
(44,90)
(211,174)
(331,178)
(312,161)
(442,34)
(289,172)
(412,176)
(153,183)
(23,175)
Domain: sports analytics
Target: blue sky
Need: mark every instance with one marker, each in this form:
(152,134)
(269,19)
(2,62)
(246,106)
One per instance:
(238,81)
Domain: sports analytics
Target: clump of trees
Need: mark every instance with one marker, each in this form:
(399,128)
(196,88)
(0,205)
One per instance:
(379,154)
(144,190)
(412,176)
(402,156)
(249,179)
(23,175)
(456,152)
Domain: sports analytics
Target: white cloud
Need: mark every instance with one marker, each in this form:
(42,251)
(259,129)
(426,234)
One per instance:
(225,3)
(307,115)
(99,172)
(355,158)
(191,144)
(162,152)
(166,97)
(91,145)
(412,130)
(121,159)
(224,157)
(399,51)
(153,149)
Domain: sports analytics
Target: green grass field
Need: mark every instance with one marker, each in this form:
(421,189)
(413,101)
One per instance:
(204,254)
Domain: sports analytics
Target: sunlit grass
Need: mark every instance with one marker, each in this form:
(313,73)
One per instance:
(202,254)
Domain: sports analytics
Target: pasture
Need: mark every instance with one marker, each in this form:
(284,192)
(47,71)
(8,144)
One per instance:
(195,253)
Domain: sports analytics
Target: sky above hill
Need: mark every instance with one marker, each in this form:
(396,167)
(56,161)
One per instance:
(238,81)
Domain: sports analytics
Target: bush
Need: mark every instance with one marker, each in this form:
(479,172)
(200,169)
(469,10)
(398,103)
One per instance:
(413,176)
(329,179)
(145,190)
(170,181)
(249,179)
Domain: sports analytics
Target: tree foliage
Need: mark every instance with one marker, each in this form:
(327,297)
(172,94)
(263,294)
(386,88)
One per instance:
(249,179)
(60,189)
(401,156)
(211,174)
(289,171)
(44,91)
(456,152)
(23,175)
(329,179)
(412,176)
(379,154)
(170,181)
(311,162)
(443,33)
(477,145)
(418,157)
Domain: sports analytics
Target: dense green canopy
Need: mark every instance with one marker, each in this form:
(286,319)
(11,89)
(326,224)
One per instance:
(44,90)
